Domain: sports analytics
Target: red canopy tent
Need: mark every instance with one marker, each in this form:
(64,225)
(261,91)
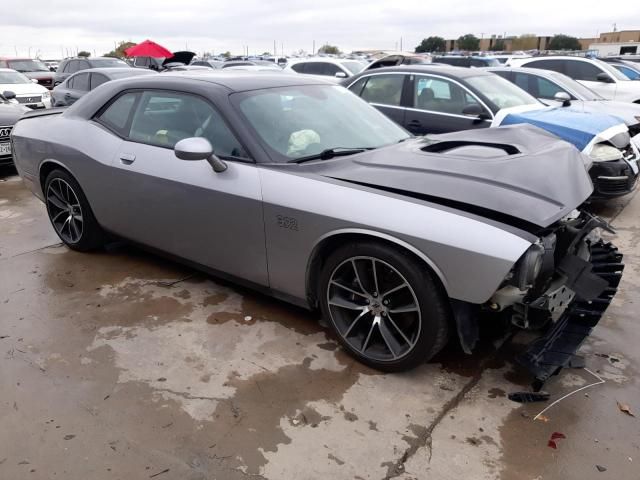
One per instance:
(148,49)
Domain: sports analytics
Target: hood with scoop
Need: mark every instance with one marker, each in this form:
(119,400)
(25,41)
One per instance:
(520,175)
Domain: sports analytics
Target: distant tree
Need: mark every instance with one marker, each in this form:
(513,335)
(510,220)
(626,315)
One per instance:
(526,41)
(266,54)
(431,44)
(84,53)
(564,42)
(498,46)
(468,42)
(329,50)
(227,54)
(118,52)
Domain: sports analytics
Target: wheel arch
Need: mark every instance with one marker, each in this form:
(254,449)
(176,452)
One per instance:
(46,167)
(330,241)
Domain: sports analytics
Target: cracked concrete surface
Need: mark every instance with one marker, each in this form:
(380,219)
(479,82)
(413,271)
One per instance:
(120,364)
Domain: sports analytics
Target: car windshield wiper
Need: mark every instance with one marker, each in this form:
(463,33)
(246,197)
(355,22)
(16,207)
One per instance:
(330,153)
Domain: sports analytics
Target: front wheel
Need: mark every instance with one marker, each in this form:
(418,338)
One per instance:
(385,306)
(70,213)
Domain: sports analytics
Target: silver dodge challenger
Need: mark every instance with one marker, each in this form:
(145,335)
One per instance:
(299,188)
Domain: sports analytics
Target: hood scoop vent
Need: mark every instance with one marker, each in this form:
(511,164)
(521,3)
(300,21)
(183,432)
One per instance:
(467,148)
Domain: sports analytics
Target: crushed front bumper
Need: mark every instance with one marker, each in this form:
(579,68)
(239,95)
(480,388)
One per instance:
(612,179)
(548,354)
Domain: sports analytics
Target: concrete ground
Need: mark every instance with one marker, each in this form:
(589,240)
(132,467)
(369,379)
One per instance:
(122,365)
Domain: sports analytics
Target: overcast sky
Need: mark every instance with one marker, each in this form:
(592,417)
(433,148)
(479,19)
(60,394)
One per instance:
(53,28)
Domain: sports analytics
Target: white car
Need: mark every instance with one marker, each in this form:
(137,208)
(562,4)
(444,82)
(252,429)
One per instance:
(595,74)
(330,68)
(27,92)
(557,90)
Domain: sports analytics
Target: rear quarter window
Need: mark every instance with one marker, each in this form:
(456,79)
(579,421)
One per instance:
(117,114)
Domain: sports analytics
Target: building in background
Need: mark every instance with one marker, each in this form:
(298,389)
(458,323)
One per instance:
(611,43)
(617,43)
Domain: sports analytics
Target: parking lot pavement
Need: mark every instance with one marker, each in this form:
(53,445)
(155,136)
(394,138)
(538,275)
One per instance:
(120,364)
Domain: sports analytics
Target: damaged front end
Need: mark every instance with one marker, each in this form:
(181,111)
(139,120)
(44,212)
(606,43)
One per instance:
(561,286)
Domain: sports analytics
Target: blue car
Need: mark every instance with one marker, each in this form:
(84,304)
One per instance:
(440,99)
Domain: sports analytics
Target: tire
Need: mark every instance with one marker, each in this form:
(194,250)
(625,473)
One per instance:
(70,214)
(406,331)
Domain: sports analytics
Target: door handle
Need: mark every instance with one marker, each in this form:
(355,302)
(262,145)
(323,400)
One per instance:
(127,158)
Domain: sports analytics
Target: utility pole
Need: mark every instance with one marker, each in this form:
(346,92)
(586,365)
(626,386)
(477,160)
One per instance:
(313,51)
(274,48)
(401,44)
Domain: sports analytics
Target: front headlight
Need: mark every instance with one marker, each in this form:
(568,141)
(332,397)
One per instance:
(46,95)
(605,153)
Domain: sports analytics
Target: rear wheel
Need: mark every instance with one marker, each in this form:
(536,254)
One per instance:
(70,213)
(385,307)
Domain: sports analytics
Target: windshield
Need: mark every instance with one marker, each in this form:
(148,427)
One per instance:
(108,62)
(580,91)
(618,75)
(27,65)
(500,92)
(300,121)
(354,67)
(8,77)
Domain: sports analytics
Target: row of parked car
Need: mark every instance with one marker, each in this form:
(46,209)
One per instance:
(585,101)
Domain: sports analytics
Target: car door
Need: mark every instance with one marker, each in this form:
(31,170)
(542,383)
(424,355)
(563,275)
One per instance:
(587,74)
(438,105)
(78,87)
(542,88)
(383,91)
(184,207)
(333,70)
(97,79)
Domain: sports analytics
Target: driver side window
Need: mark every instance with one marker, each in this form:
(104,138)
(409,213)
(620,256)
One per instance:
(440,95)
(164,118)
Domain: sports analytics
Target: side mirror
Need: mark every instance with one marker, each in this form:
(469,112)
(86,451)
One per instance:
(34,80)
(8,95)
(475,110)
(604,77)
(341,75)
(472,110)
(563,97)
(198,148)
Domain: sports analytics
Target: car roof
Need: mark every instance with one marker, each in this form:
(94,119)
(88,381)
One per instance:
(441,69)
(558,57)
(242,80)
(109,71)
(337,61)
(536,71)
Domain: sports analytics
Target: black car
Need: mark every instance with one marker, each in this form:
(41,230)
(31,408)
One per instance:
(9,115)
(33,69)
(70,66)
(467,61)
(396,59)
(427,99)
(84,81)
(160,64)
